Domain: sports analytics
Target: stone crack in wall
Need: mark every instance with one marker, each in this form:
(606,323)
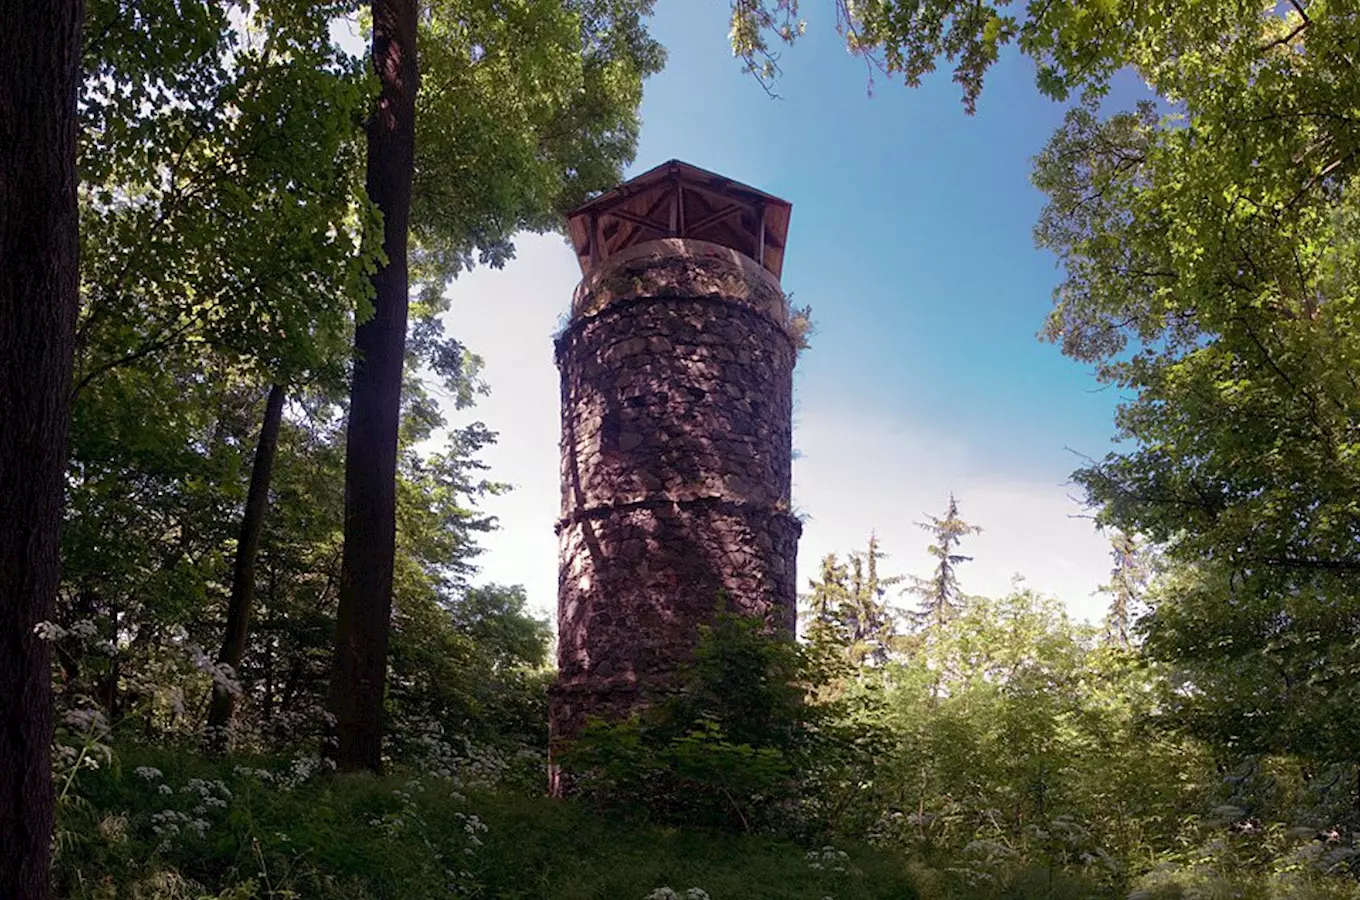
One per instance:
(677,387)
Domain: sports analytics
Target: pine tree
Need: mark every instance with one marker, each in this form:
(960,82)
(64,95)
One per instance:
(940,596)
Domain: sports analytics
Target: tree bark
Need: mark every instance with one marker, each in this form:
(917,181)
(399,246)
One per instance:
(39,277)
(243,573)
(358,675)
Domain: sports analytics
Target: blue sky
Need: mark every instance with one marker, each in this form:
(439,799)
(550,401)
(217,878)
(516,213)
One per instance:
(911,235)
(911,240)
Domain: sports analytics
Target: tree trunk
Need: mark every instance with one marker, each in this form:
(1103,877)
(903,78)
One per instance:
(39,276)
(243,573)
(358,675)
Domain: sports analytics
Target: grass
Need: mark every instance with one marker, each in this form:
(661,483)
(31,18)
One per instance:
(159,825)
(164,825)
(541,848)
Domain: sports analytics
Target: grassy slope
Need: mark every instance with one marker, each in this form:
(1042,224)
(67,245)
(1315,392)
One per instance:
(359,838)
(546,849)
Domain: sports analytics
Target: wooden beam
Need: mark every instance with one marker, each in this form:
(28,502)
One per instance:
(719,195)
(639,221)
(645,221)
(593,241)
(714,218)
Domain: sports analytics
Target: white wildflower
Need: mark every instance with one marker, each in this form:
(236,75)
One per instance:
(49,631)
(87,720)
(85,629)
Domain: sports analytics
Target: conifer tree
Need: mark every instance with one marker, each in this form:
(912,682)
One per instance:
(827,597)
(869,620)
(940,596)
(848,609)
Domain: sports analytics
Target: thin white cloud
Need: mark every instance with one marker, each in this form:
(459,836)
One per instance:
(859,470)
(858,473)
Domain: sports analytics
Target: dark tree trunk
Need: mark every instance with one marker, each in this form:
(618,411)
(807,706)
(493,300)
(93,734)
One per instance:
(358,675)
(39,248)
(243,573)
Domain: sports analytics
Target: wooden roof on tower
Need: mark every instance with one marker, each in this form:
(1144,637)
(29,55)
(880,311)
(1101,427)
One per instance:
(677,199)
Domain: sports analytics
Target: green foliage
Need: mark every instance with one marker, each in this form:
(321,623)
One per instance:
(136,611)
(1208,244)
(847,610)
(1077,45)
(1262,674)
(524,111)
(474,664)
(227,246)
(741,742)
(717,750)
(1210,277)
(222,219)
(1210,270)
(1020,740)
(222,207)
(568,852)
(164,825)
(178,825)
(1024,755)
(1130,580)
(696,776)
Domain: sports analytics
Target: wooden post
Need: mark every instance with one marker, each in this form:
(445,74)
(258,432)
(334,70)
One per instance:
(760,239)
(594,239)
(675,208)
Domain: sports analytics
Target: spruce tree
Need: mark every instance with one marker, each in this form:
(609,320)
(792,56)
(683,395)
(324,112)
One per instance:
(940,596)
(847,609)
(867,616)
(824,603)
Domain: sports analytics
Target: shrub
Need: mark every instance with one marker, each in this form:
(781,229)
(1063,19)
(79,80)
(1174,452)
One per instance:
(738,743)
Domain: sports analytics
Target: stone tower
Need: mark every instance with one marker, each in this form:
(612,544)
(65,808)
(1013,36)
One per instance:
(677,379)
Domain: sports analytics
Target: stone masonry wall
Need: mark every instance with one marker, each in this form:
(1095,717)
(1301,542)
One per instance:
(676,375)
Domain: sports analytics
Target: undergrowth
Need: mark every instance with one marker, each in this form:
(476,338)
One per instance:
(161,825)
